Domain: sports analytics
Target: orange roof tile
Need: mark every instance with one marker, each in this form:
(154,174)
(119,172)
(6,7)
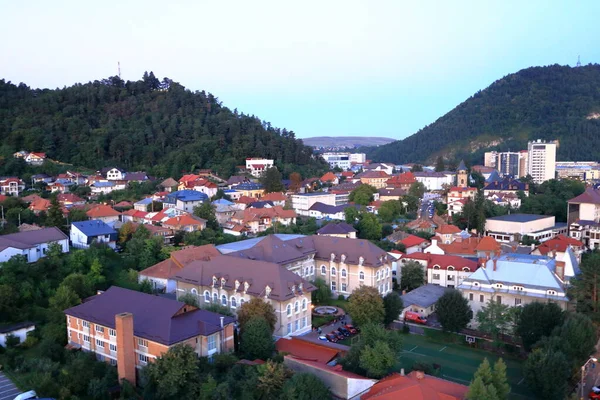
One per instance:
(558,243)
(183,220)
(306,350)
(488,243)
(402,179)
(412,240)
(101,210)
(274,196)
(447,229)
(328,177)
(415,386)
(179,259)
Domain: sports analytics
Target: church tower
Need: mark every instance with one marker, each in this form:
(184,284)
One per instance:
(462,177)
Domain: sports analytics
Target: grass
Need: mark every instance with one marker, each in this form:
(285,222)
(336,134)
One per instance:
(459,362)
(321,320)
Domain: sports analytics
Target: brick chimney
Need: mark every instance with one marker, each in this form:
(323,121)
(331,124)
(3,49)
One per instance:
(125,347)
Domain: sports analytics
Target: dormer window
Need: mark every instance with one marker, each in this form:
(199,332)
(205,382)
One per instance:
(332,256)
(436,267)
(551,292)
(343,258)
(293,288)
(223,282)
(450,268)
(237,284)
(267,291)
(466,269)
(300,286)
(214,280)
(246,286)
(361,261)
(475,283)
(499,286)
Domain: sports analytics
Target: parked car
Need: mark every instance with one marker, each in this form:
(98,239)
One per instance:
(595,393)
(331,338)
(351,329)
(411,316)
(343,331)
(323,337)
(339,334)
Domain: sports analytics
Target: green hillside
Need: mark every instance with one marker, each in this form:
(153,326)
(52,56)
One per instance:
(151,125)
(553,102)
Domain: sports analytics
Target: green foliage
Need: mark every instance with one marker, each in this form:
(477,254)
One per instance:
(489,383)
(547,373)
(377,359)
(178,129)
(173,375)
(537,320)
(390,210)
(271,180)
(417,189)
(305,386)
(323,292)
(257,339)
(519,107)
(55,215)
(218,308)
(206,211)
(189,299)
(365,305)
(585,287)
(393,305)
(369,226)
(551,198)
(495,319)
(256,307)
(362,195)
(575,338)
(77,214)
(439,164)
(412,276)
(453,310)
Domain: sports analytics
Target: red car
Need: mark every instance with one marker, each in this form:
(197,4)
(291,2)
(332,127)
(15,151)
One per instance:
(595,393)
(350,328)
(331,338)
(414,317)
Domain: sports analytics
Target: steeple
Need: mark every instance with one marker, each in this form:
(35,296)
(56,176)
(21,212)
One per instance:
(461,175)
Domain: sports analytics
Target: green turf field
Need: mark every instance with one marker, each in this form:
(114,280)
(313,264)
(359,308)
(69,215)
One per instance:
(460,362)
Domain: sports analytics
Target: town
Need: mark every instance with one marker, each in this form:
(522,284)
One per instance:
(371,280)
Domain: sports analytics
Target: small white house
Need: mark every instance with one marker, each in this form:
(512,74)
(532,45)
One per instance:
(19,330)
(32,244)
(84,233)
(115,174)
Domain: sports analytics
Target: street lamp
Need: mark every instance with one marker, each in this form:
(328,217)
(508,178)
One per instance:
(592,359)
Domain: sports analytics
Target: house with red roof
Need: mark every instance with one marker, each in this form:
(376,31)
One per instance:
(39,205)
(414,244)
(185,222)
(402,181)
(447,233)
(134,215)
(415,386)
(257,166)
(377,179)
(103,213)
(460,193)
(11,186)
(330,177)
(557,247)
(260,219)
(442,270)
(35,158)
(69,199)
(277,198)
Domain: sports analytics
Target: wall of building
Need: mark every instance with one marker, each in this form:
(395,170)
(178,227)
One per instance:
(21,334)
(379,278)
(520,227)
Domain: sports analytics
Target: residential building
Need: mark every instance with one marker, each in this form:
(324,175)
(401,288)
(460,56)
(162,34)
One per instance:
(340,229)
(103,213)
(434,180)
(339,160)
(85,233)
(508,163)
(442,270)
(277,198)
(422,300)
(117,326)
(472,247)
(185,222)
(142,205)
(415,386)
(575,169)
(506,186)
(302,202)
(490,158)
(232,281)
(513,227)
(584,207)
(456,193)
(105,187)
(257,220)
(541,160)
(447,233)
(391,194)
(39,205)
(68,200)
(257,166)
(330,177)
(414,244)
(184,200)
(377,179)
(402,181)
(168,184)
(523,163)
(325,211)
(358,158)
(387,168)
(426,224)
(249,189)
(33,245)
(19,330)
(516,280)
(557,248)
(35,158)
(11,186)
(113,174)
(504,199)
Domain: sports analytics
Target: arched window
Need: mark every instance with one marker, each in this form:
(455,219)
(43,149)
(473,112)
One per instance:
(224,300)
(344,273)
(206,297)
(242,302)
(288,309)
(361,276)
(450,268)
(436,267)
(377,275)
(323,270)
(215,298)
(466,269)
(233,302)
(312,269)
(333,271)
(304,304)
(387,272)
(296,307)
(194,292)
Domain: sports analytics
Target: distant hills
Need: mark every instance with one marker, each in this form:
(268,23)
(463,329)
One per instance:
(553,102)
(346,141)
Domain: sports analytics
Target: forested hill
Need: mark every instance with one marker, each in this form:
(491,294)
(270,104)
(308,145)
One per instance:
(152,125)
(553,102)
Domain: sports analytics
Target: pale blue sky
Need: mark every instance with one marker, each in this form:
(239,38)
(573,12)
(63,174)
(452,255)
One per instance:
(379,68)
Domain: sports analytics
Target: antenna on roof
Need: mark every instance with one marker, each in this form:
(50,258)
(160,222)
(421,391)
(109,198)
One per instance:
(119,68)
(578,61)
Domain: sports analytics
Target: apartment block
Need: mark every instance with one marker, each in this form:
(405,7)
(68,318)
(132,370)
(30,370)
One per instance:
(541,160)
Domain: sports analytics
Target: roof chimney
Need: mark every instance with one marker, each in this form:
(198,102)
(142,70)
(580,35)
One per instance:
(222,318)
(402,371)
(419,375)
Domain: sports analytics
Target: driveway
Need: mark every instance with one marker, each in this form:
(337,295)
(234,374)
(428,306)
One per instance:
(8,390)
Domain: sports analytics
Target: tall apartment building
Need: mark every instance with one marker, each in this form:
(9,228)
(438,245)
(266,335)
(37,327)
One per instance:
(508,163)
(490,158)
(340,160)
(523,161)
(542,160)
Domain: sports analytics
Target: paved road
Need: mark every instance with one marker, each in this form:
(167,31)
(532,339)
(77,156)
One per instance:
(8,390)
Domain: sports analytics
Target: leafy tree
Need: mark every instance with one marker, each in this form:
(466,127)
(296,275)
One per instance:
(547,372)
(305,386)
(489,383)
(55,215)
(189,299)
(207,212)
(416,168)
(257,339)
(536,320)
(295,181)
(417,189)
(439,164)
(271,180)
(126,232)
(390,210)
(64,298)
(576,338)
(77,214)
(499,380)
(366,306)
(494,319)
(377,359)
(174,375)
(351,215)
(369,227)
(393,305)
(256,307)
(453,311)
(217,308)
(323,292)
(362,195)
(272,379)
(412,276)
(585,287)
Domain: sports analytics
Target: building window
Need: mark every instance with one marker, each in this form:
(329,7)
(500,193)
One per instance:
(297,325)
(112,332)
(304,302)
(377,275)
(296,307)
(333,271)
(113,347)
(344,273)
(333,286)
(212,343)
(436,276)
(289,309)
(517,302)
(215,298)
(312,269)
(471,296)
(233,302)
(344,286)
(224,300)
(99,329)
(450,277)
(499,299)
(113,362)
(85,324)
(143,343)
(99,343)
(387,286)
(206,297)
(323,270)
(242,302)
(86,338)
(304,322)
(481,300)
(361,276)
(289,328)
(194,292)
(143,359)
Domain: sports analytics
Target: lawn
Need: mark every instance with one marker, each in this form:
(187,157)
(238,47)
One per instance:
(459,362)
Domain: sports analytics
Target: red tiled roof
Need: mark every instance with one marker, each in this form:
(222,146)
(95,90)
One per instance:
(179,259)
(337,370)
(462,189)
(403,179)
(246,200)
(414,387)
(39,204)
(463,247)
(374,174)
(189,178)
(447,229)
(306,350)
(69,198)
(274,196)
(488,243)
(329,177)
(101,210)
(183,220)
(558,243)
(413,240)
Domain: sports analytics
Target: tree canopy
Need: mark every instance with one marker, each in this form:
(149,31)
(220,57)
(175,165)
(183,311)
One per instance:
(366,306)
(411,276)
(453,310)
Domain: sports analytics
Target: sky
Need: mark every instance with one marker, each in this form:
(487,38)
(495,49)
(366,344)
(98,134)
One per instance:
(319,68)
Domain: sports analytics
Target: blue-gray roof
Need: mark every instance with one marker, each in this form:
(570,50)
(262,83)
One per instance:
(248,243)
(519,217)
(223,202)
(462,166)
(103,184)
(94,228)
(326,208)
(424,296)
(312,194)
(185,196)
(248,186)
(146,201)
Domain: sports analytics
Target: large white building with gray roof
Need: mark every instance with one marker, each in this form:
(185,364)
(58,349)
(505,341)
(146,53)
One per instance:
(517,279)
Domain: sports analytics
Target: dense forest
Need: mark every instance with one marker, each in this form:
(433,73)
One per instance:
(151,125)
(553,102)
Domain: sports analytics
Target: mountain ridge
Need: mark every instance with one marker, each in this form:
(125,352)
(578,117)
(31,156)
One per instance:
(346,141)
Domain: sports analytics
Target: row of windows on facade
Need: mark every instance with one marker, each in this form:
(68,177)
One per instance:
(517,288)
(498,299)
(233,302)
(296,325)
(384,274)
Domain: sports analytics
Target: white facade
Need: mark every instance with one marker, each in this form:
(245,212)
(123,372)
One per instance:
(541,159)
(33,253)
(302,202)
(434,180)
(256,166)
(358,158)
(80,240)
(490,158)
(340,160)
(115,174)
(19,332)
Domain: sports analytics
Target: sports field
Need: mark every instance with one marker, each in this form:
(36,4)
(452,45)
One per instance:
(459,362)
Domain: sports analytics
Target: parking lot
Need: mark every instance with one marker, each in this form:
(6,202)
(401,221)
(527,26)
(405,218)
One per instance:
(8,390)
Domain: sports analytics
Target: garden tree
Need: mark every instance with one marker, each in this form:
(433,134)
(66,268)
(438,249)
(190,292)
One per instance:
(366,306)
(390,210)
(64,298)
(362,195)
(295,181)
(256,307)
(547,373)
(323,292)
(207,212)
(478,180)
(257,339)
(411,203)
(95,277)
(576,338)
(79,284)
(376,353)
(551,198)
(77,214)
(537,320)
(271,180)
(417,168)
(219,309)
(392,304)
(369,226)
(272,377)
(55,215)
(126,232)
(189,299)
(411,276)
(585,287)
(499,379)
(453,310)
(305,386)
(489,383)
(479,391)
(174,375)
(351,215)
(417,189)
(494,318)
(220,195)
(439,164)
(155,206)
